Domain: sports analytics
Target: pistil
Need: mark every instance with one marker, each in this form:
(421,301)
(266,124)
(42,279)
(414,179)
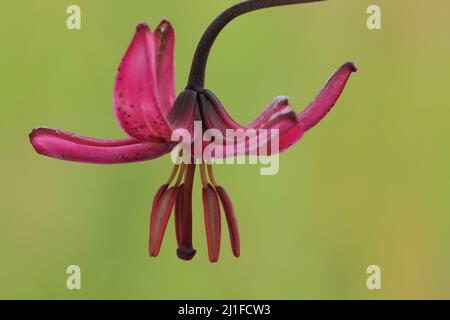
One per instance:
(183,215)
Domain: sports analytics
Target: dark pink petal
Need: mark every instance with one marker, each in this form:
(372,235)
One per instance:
(164,36)
(68,146)
(183,217)
(185,111)
(212,222)
(231,220)
(162,208)
(136,91)
(279,106)
(214,115)
(327,97)
(278,118)
(289,132)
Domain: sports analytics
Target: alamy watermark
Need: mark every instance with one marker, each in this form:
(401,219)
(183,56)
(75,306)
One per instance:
(374,19)
(234,146)
(73,21)
(374,280)
(73,281)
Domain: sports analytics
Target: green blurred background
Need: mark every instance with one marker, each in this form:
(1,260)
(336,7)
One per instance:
(369,185)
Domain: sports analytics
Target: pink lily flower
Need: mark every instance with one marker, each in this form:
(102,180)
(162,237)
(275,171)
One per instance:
(148,110)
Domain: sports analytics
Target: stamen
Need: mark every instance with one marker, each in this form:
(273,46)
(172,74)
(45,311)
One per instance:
(211,175)
(175,169)
(229,213)
(183,216)
(173,174)
(203,175)
(212,221)
(180,174)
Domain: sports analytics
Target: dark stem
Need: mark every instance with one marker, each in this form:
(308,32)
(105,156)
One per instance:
(198,68)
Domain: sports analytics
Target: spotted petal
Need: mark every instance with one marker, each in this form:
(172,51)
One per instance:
(68,146)
(164,37)
(327,97)
(137,102)
(278,121)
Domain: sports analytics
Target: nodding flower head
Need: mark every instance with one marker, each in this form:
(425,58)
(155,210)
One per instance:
(148,110)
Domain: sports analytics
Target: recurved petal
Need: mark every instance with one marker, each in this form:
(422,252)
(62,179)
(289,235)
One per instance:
(283,132)
(274,131)
(215,115)
(212,222)
(136,93)
(164,37)
(327,97)
(231,220)
(70,147)
(162,208)
(285,128)
(279,106)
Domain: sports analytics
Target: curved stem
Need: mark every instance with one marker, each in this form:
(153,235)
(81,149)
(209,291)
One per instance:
(198,68)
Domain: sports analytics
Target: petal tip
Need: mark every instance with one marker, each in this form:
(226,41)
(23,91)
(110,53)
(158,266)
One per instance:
(33,136)
(281,100)
(351,66)
(142,26)
(37,130)
(165,25)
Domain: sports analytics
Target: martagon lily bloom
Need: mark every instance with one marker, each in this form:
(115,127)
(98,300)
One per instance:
(147,109)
